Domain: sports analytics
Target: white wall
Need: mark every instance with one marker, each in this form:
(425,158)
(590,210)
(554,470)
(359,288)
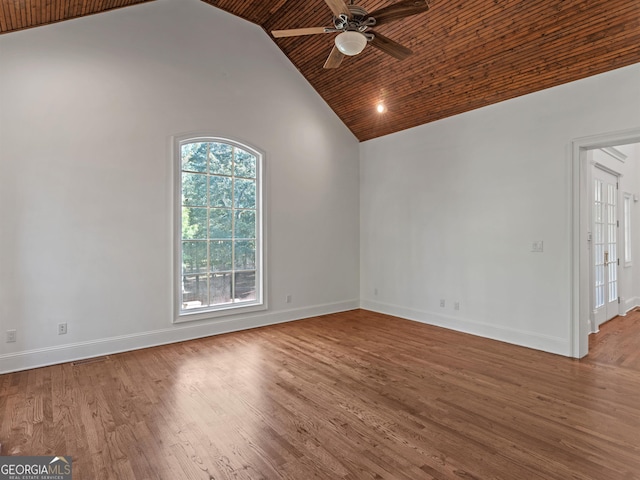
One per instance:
(87,111)
(634,155)
(632,294)
(449,210)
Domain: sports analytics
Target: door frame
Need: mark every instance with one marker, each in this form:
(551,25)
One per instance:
(580,215)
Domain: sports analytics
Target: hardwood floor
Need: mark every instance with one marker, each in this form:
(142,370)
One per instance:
(617,343)
(356,395)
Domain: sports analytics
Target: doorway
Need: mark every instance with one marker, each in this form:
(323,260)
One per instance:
(583,318)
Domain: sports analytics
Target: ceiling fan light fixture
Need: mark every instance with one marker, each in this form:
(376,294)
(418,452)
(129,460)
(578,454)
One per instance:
(351,43)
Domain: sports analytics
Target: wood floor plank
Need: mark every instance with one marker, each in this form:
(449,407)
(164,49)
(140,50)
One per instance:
(356,395)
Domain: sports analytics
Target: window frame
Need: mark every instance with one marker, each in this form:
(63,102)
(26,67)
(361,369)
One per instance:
(222,310)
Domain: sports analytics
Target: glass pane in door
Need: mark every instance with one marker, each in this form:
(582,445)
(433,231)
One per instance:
(612,224)
(598,244)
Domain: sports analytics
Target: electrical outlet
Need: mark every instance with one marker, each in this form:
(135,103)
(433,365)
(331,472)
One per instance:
(11,336)
(442,302)
(456,306)
(375,292)
(288,299)
(62,329)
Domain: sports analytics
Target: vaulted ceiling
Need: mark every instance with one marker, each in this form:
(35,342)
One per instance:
(467,53)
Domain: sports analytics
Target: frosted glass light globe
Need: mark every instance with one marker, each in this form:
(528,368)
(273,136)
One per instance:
(351,43)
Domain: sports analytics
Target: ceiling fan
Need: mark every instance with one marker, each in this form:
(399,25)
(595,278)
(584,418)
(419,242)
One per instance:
(354,24)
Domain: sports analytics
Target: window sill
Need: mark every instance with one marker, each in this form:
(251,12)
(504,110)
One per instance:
(226,311)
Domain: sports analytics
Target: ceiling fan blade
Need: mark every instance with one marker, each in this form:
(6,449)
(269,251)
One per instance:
(294,32)
(338,7)
(334,59)
(389,47)
(401,9)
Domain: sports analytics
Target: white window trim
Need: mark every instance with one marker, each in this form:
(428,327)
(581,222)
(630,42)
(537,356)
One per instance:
(260,303)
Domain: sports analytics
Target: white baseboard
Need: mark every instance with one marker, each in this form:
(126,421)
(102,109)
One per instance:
(631,303)
(559,346)
(42,357)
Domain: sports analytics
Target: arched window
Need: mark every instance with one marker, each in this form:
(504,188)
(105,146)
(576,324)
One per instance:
(219,258)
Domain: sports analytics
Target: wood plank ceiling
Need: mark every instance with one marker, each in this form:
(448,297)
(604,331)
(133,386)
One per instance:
(21,14)
(468,53)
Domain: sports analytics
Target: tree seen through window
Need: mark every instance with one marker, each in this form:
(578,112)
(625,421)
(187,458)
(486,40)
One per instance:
(219,224)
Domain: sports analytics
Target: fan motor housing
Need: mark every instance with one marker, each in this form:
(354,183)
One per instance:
(356,23)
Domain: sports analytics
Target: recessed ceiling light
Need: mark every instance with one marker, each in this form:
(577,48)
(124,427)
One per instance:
(380,108)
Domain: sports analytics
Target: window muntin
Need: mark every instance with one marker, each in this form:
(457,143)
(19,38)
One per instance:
(219,257)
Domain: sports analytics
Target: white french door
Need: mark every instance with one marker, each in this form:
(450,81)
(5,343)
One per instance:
(604,249)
